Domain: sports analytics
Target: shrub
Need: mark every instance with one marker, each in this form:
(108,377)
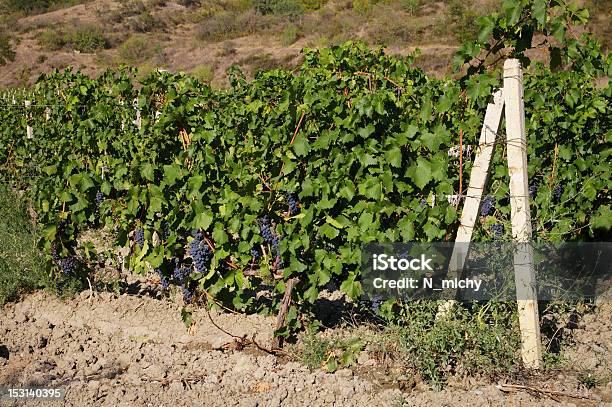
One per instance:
(36,6)
(6,52)
(362,6)
(292,8)
(137,48)
(311,5)
(82,39)
(189,3)
(227,25)
(221,26)
(21,264)
(87,39)
(52,40)
(145,22)
(411,6)
(289,35)
(204,73)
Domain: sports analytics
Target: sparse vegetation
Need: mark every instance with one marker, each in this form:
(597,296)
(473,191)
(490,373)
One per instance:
(289,35)
(204,73)
(6,52)
(138,48)
(86,39)
(22,266)
(29,7)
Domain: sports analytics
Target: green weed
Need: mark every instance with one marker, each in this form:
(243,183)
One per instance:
(22,267)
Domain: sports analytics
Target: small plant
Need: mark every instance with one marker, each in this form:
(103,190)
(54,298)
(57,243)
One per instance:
(6,52)
(145,22)
(289,35)
(204,72)
(137,48)
(87,39)
(588,380)
(330,355)
(52,40)
(362,7)
(314,350)
(411,6)
(220,26)
(22,266)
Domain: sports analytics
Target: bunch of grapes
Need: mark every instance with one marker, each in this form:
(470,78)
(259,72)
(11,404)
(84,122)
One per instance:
(180,273)
(557,192)
(292,202)
(533,190)
(99,199)
(54,253)
(423,203)
(165,281)
(68,265)
(265,227)
(376,301)
(271,238)
(498,230)
(187,294)
(200,253)
(487,205)
(255,252)
(139,237)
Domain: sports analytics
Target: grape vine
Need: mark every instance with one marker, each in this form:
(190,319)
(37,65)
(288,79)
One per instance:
(286,176)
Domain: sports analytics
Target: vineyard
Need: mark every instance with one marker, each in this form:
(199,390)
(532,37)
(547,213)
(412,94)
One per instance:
(281,180)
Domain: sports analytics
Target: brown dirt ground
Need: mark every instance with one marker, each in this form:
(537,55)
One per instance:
(133,350)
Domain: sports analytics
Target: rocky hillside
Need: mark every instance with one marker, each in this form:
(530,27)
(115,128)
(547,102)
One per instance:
(206,37)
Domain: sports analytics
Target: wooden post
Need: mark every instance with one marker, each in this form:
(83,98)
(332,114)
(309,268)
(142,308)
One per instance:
(277,342)
(138,121)
(524,273)
(29,130)
(478,181)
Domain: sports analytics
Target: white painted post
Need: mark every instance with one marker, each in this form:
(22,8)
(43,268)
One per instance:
(138,121)
(478,181)
(29,130)
(524,273)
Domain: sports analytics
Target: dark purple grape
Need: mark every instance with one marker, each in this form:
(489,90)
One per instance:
(269,235)
(187,294)
(165,281)
(54,253)
(200,253)
(292,202)
(139,237)
(498,230)
(255,253)
(68,265)
(376,301)
(180,272)
(533,191)
(423,203)
(488,204)
(99,199)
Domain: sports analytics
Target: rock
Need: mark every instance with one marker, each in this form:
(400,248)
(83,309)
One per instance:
(212,378)
(344,373)
(243,363)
